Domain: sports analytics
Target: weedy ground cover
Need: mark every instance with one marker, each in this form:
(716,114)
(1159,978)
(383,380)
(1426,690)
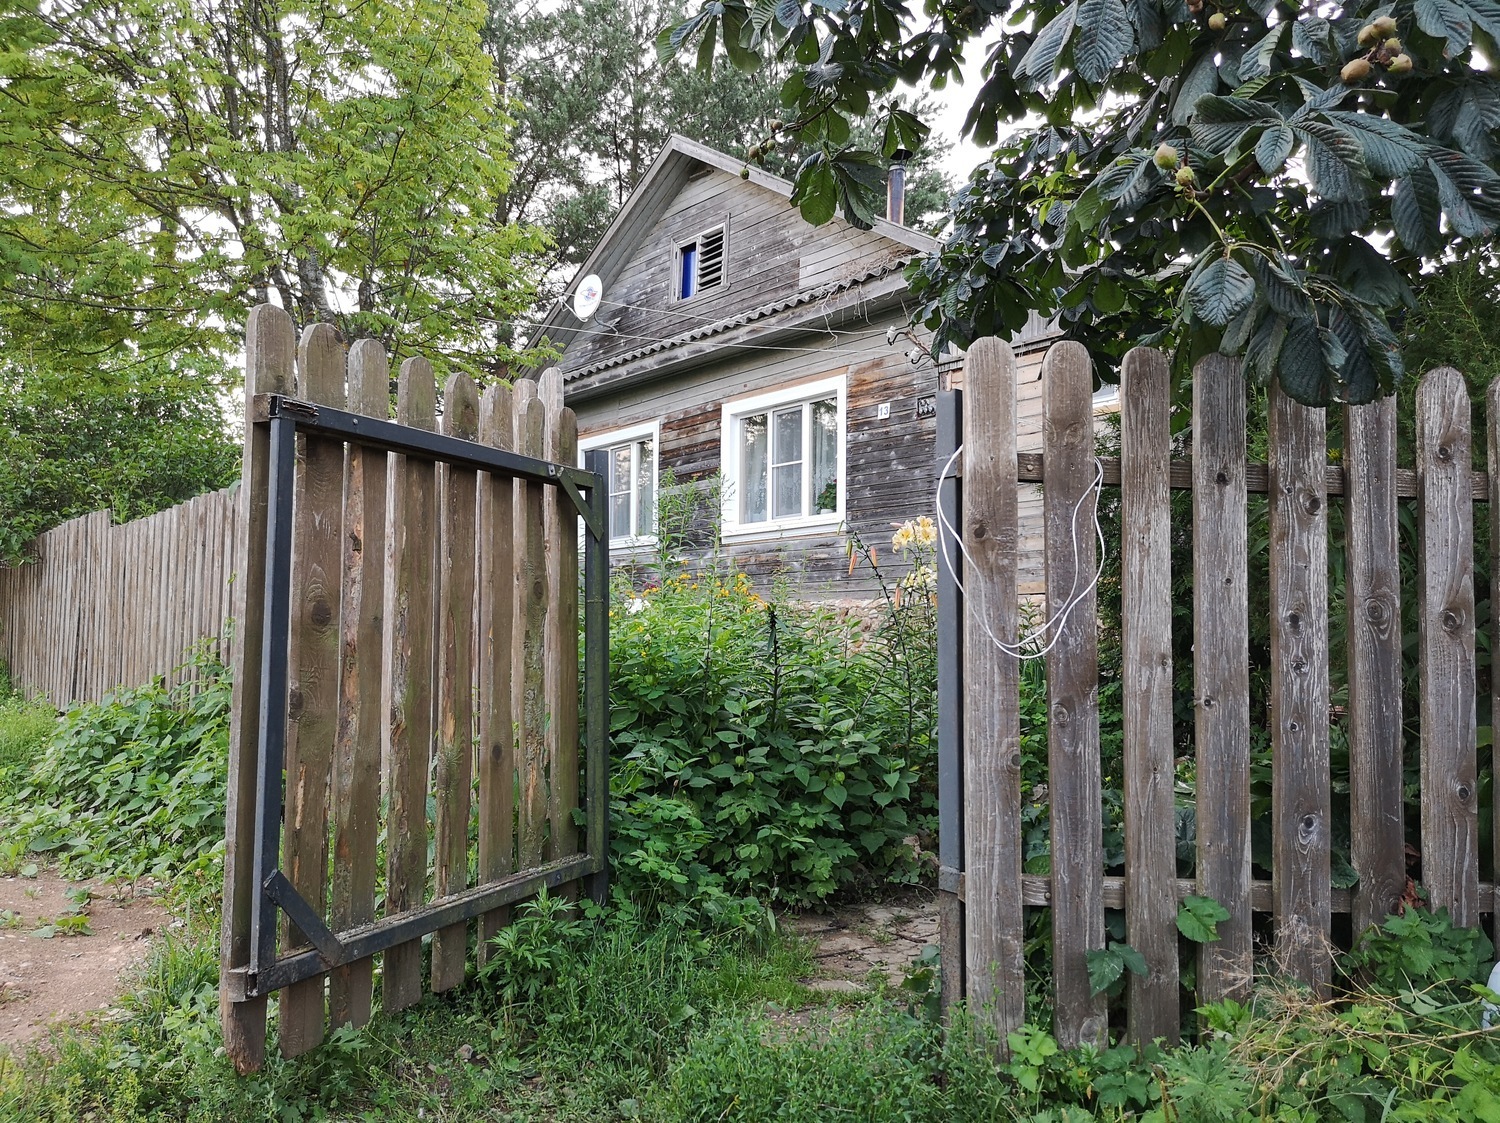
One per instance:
(25,725)
(129,786)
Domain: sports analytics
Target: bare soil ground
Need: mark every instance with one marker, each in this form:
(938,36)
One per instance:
(858,943)
(67,977)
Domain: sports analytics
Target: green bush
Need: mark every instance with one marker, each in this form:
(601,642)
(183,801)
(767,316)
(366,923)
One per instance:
(761,750)
(131,785)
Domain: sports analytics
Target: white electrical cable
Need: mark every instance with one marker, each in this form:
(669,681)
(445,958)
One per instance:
(1075,596)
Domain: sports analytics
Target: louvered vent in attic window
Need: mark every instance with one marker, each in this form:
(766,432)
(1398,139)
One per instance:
(711,259)
(700,264)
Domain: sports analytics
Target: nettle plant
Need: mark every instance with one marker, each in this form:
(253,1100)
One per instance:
(1266,179)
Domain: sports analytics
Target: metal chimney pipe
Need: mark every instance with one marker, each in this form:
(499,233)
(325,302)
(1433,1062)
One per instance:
(895,188)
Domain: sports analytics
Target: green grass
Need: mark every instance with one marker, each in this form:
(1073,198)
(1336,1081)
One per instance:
(617,1009)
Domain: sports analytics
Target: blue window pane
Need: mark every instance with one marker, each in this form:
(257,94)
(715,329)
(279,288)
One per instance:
(687,271)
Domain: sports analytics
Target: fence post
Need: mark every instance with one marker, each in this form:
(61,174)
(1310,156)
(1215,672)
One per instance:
(270,358)
(950,676)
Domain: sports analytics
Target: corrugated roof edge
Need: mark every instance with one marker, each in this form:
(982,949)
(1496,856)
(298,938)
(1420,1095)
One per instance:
(718,327)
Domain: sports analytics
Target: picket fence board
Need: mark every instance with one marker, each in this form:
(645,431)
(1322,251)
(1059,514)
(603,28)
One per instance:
(1146,689)
(455,740)
(317,580)
(497,762)
(1300,796)
(995,970)
(356,761)
(1221,671)
(1072,692)
(1373,601)
(530,629)
(1445,616)
(270,365)
(561,655)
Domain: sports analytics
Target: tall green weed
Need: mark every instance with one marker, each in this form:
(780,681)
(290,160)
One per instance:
(761,750)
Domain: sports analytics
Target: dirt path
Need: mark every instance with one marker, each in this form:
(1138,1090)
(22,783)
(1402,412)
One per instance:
(856,940)
(67,976)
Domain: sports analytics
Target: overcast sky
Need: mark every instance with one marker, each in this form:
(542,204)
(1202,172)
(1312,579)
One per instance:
(955,100)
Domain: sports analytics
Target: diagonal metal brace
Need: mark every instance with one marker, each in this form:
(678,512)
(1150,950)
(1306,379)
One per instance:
(281,891)
(590,516)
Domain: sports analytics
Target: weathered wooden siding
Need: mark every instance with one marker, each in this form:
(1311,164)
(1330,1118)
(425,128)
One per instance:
(889,462)
(770,254)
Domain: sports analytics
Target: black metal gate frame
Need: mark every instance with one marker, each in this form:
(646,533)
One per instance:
(286,417)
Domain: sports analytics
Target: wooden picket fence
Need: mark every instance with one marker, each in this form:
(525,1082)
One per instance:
(985,893)
(100,605)
(408,633)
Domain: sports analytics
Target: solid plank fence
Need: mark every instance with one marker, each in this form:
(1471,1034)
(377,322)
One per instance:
(409,608)
(985,893)
(102,606)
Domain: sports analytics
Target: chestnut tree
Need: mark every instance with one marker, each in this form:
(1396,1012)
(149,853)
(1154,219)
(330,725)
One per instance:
(1267,180)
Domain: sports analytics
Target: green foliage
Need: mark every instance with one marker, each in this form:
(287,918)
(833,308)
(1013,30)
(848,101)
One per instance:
(70,446)
(132,785)
(1256,181)
(344,158)
(1107,967)
(528,954)
(760,750)
(1422,950)
(1198,918)
(874,1065)
(25,726)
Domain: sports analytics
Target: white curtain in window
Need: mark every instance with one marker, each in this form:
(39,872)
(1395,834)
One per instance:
(754,447)
(824,492)
(619,492)
(645,487)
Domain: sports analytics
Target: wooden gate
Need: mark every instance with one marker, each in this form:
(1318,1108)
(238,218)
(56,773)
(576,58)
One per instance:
(408,637)
(985,893)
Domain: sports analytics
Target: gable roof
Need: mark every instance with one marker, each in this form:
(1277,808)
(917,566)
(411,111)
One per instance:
(668,173)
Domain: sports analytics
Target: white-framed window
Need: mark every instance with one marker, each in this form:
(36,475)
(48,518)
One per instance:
(630,478)
(699,264)
(783,459)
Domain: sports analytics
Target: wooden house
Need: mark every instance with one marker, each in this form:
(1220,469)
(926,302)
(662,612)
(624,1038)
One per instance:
(764,365)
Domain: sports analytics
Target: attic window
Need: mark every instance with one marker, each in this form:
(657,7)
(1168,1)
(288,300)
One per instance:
(700,263)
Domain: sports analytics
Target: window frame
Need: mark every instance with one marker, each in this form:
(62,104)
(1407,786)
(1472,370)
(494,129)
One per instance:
(607,440)
(695,243)
(733,411)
